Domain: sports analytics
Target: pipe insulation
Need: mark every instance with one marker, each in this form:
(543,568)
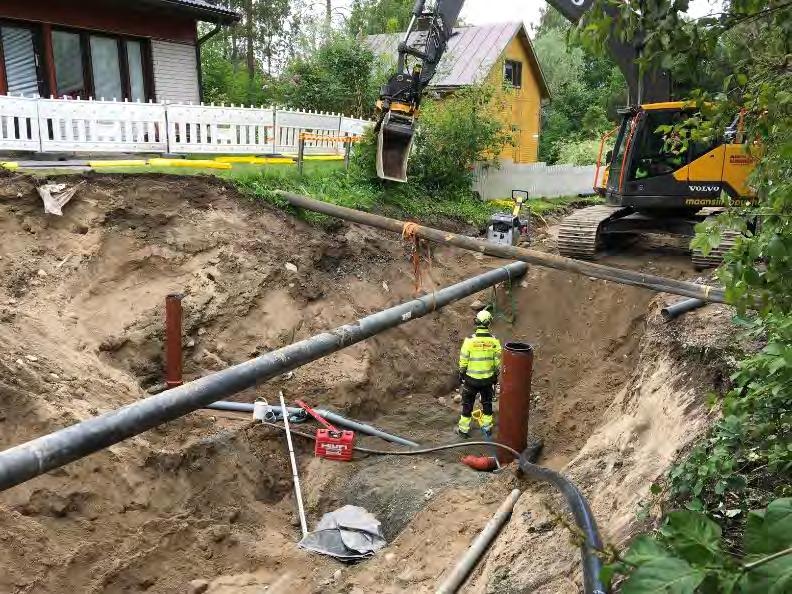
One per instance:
(609,273)
(479,546)
(33,458)
(247,407)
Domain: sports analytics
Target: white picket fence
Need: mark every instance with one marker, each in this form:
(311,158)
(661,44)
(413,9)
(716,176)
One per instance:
(68,125)
(538,179)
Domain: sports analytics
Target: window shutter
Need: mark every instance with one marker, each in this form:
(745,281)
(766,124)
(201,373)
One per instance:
(20,61)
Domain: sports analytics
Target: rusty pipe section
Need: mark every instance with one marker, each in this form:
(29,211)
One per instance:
(33,458)
(610,273)
(173,340)
(515,399)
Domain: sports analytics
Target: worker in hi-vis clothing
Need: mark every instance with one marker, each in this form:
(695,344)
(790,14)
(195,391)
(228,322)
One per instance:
(479,365)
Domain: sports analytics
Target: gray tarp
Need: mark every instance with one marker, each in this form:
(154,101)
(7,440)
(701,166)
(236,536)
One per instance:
(349,533)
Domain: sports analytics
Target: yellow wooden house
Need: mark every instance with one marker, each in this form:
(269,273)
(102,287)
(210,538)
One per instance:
(501,54)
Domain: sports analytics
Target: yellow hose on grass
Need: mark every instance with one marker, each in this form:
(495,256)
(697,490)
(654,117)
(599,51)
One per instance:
(200,163)
(251,160)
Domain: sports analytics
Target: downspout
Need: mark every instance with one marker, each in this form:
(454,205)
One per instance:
(199,42)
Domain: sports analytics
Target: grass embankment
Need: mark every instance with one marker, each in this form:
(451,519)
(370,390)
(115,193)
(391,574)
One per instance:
(330,183)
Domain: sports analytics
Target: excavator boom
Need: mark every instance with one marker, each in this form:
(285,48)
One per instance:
(420,51)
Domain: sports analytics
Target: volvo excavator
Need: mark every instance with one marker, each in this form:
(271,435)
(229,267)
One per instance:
(647,185)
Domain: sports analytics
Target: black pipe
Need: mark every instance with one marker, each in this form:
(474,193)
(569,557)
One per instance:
(584,519)
(669,312)
(23,462)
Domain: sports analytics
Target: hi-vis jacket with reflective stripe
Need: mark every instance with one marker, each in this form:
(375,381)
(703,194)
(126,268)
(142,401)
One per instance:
(480,357)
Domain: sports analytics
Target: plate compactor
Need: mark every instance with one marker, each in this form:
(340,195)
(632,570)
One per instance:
(508,228)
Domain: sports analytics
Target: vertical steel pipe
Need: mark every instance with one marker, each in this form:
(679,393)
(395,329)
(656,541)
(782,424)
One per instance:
(173,340)
(515,398)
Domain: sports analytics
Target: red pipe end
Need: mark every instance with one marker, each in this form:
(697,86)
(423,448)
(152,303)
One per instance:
(480,463)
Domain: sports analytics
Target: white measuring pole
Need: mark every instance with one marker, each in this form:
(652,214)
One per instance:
(297,492)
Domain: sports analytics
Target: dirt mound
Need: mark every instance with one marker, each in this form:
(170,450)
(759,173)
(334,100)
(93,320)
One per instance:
(209,496)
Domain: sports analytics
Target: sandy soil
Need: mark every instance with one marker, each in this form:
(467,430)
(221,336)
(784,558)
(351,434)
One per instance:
(209,497)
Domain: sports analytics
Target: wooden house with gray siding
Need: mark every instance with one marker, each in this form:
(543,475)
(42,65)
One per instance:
(147,50)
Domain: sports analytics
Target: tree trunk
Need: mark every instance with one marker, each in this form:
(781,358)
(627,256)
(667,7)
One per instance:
(328,13)
(250,39)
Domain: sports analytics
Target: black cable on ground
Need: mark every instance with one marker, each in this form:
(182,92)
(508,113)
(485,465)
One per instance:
(448,446)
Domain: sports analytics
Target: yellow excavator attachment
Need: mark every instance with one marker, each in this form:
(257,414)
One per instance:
(394,142)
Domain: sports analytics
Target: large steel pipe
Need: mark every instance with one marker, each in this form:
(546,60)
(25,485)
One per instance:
(36,457)
(610,273)
(515,399)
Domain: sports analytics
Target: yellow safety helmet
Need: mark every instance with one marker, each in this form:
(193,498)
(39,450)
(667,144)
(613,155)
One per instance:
(483,318)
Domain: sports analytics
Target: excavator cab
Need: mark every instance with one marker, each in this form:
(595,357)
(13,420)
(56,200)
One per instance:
(649,173)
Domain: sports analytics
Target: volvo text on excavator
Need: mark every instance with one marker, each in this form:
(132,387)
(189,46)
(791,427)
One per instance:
(648,186)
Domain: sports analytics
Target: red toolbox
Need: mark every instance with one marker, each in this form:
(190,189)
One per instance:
(330,442)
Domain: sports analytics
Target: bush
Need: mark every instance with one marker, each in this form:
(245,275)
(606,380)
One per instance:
(582,152)
(453,134)
(342,76)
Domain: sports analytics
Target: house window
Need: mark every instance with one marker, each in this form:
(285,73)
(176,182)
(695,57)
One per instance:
(69,69)
(512,73)
(106,67)
(19,61)
(137,77)
(99,66)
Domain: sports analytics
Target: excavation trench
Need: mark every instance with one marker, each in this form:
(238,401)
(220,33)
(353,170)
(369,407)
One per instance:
(208,496)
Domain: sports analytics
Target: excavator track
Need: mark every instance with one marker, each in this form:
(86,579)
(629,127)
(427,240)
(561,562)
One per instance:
(579,233)
(715,257)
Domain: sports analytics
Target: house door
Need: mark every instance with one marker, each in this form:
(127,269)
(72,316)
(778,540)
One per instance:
(20,60)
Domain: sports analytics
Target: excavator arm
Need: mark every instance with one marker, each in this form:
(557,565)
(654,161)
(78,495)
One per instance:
(420,51)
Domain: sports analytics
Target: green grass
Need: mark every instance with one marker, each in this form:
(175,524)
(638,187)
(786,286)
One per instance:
(399,200)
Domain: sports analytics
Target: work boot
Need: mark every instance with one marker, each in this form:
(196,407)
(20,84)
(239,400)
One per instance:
(463,427)
(487,424)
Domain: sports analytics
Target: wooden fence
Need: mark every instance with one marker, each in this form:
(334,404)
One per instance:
(69,125)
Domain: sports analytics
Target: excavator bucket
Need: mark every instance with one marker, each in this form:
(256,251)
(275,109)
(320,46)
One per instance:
(393,147)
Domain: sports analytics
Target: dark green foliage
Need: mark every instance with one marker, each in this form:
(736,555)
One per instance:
(686,555)
(223,82)
(737,62)
(342,76)
(585,92)
(369,17)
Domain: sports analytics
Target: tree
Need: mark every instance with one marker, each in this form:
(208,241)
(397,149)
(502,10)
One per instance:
(341,76)
(585,90)
(369,17)
(239,64)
